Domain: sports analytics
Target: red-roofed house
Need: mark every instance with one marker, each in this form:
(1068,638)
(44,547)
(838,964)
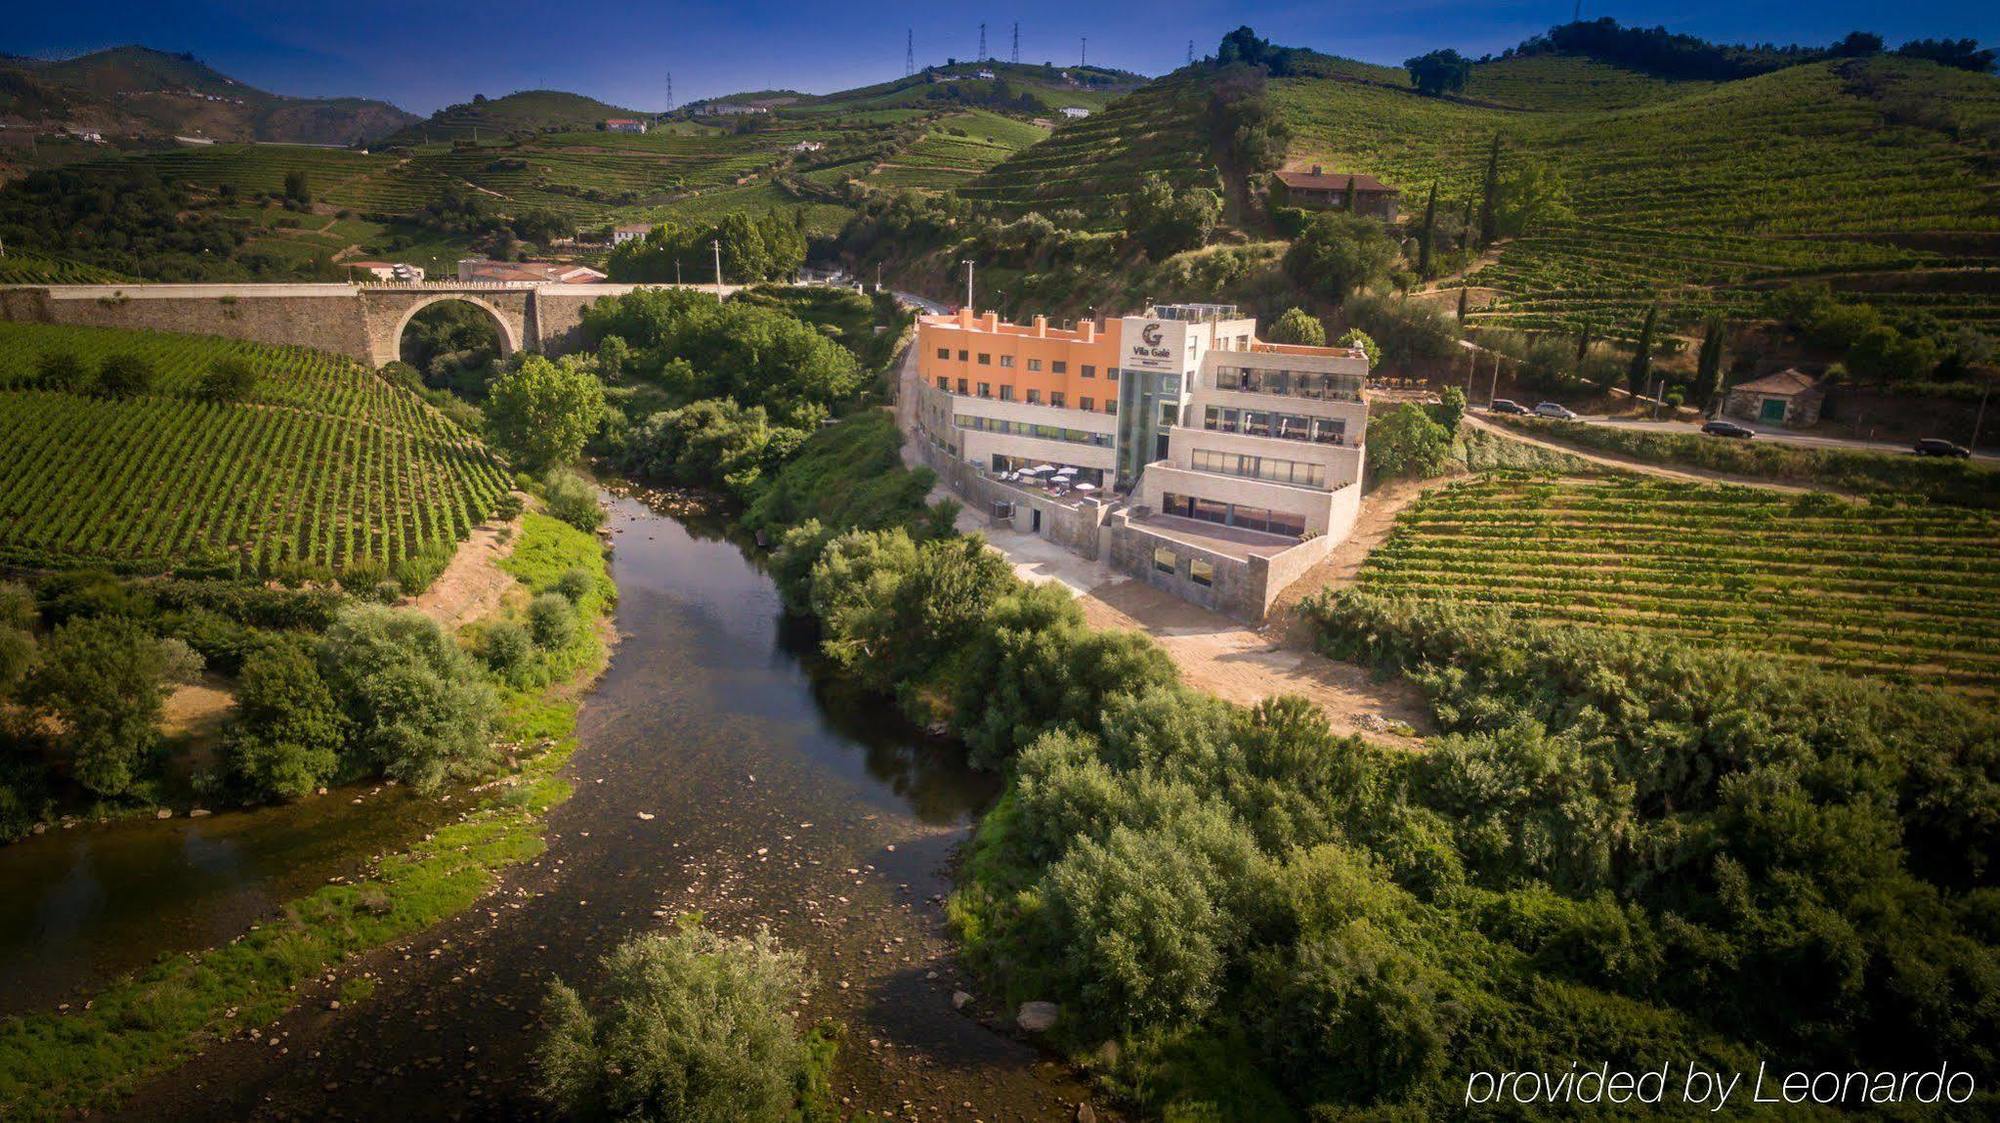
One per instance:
(1790,397)
(1320,189)
(531,272)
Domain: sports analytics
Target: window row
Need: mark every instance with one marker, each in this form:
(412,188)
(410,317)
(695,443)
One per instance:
(1294,472)
(1055,366)
(1200,572)
(1295,383)
(1056,398)
(1023,429)
(1285,426)
(1234,514)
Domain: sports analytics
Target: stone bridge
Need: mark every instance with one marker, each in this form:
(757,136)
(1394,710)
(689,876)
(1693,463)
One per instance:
(364,321)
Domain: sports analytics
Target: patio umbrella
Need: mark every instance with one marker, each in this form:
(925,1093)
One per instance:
(1066,472)
(1035,471)
(1086,487)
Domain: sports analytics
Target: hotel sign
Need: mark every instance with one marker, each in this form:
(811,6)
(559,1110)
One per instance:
(1154,345)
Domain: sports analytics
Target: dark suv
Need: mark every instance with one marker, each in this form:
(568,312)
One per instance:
(1938,446)
(1507,405)
(1720,428)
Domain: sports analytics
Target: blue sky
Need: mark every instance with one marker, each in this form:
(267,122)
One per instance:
(423,54)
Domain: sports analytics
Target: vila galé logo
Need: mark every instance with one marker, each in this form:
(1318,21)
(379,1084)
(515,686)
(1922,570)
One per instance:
(1149,345)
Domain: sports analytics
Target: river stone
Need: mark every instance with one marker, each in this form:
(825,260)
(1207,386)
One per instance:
(1037,1017)
(959,999)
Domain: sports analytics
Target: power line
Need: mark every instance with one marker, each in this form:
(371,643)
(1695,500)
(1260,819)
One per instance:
(982,42)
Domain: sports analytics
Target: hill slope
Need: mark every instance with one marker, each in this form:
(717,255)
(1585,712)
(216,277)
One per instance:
(525,111)
(137,91)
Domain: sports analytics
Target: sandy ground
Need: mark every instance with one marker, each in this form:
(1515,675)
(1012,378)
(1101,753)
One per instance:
(197,708)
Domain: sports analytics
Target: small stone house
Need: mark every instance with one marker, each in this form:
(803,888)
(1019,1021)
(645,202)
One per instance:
(1790,398)
(1320,189)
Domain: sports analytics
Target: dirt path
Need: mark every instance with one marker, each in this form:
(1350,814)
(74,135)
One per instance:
(1629,464)
(473,585)
(1338,569)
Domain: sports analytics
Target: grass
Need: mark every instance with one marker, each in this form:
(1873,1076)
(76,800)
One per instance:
(87,1058)
(1890,590)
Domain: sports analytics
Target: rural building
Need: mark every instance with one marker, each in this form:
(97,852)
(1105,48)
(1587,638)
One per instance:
(1075,112)
(386,270)
(624,125)
(734,109)
(1320,189)
(1790,397)
(805,146)
(630,232)
(1174,445)
(527,272)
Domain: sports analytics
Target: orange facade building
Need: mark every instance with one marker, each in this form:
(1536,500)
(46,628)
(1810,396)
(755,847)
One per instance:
(980,356)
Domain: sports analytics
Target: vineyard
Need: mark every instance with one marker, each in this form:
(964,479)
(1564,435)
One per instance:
(325,466)
(1825,171)
(1902,592)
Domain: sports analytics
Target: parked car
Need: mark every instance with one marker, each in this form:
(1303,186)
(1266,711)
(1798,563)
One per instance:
(1551,409)
(1506,405)
(1938,446)
(1720,428)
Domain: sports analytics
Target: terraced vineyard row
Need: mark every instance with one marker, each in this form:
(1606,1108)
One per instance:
(326,465)
(1900,592)
(1836,178)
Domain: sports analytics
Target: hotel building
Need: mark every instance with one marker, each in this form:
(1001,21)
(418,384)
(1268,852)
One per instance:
(1174,445)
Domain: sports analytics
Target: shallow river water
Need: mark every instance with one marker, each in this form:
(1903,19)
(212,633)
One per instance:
(775,798)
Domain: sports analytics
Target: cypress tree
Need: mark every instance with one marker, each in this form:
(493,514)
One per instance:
(1430,227)
(1583,342)
(1708,365)
(1351,208)
(1465,223)
(1461,303)
(1642,356)
(1488,228)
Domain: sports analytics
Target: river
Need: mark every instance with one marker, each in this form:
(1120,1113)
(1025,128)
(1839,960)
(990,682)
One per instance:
(776,797)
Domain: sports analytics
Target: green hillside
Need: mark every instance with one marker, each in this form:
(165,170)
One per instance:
(1704,192)
(526,111)
(323,466)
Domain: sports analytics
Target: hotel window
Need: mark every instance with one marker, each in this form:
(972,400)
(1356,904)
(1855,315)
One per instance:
(1006,393)
(1164,560)
(1034,364)
(1290,427)
(1200,572)
(944,384)
(944,352)
(1330,431)
(985,359)
(1111,405)
(986,389)
(961,385)
(961,354)
(1058,366)
(1086,404)
(1175,504)
(1006,360)
(1034,397)
(1256,423)
(1056,398)
(1110,374)
(1282,522)
(1089,371)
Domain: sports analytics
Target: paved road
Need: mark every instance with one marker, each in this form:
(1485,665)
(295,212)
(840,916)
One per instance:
(1764,433)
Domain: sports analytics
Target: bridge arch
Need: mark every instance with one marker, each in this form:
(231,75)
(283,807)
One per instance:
(503,328)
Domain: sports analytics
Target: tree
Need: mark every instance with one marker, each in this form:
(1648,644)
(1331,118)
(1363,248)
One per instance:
(289,729)
(552,621)
(544,410)
(1338,253)
(1355,337)
(1708,365)
(1407,442)
(228,379)
(686,1025)
(1438,72)
(1462,293)
(1427,234)
(1298,326)
(1965,54)
(298,189)
(572,498)
(124,375)
(1450,408)
(100,676)
(1641,368)
(1164,221)
(1489,196)
(60,370)
(419,707)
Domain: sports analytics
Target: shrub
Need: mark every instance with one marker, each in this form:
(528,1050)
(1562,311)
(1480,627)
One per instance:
(124,375)
(1407,442)
(180,664)
(60,370)
(420,708)
(416,571)
(1298,326)
(1340,253)
(290,729)
(686,1025)
(573,499)
(575,584)
(545,410)
(101,677)
(552,621)
(507,650)
(228,379)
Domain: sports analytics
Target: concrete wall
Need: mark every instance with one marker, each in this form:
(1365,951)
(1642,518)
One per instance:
(1241,587)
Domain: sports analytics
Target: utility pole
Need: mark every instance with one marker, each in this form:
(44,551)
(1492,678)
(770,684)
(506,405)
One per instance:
(1016,60)
(1493,388)
(909,51)
(717,243)
(677,272)
(1979,419)
(1190,52)
(968,283)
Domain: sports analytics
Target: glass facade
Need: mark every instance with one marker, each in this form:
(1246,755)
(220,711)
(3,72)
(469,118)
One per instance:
(1234,514)
(1290,383)
(1293,472)
(1284,426)
(1023,429)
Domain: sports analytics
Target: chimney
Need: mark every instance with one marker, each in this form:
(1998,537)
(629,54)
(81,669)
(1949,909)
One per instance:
(965,316)
(1089,331)
(992,321)
(1318,169)
(1041,327)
